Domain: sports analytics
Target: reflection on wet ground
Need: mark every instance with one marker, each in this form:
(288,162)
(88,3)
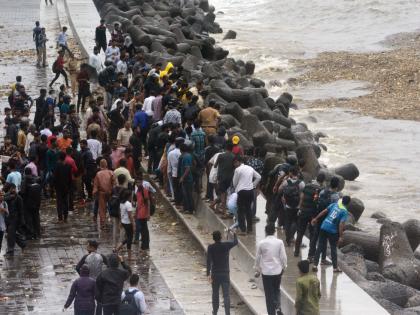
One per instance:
(39,280)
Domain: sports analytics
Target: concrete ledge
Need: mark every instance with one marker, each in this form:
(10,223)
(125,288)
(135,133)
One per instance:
(200,229)
(83,18)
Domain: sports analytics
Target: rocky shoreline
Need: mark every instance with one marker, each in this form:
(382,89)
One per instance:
(392,75)
(167,32)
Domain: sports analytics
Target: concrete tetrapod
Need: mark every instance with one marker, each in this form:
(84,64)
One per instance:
(369,243)
(396,258)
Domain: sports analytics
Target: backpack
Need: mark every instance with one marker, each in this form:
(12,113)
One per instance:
(95,263)
(311,196)
(114,203)
(324,199)
(54,66)
(291,193)
(128,304)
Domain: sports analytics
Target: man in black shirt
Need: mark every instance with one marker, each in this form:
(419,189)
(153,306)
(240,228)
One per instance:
(218,269)
(62,183)
(100,36)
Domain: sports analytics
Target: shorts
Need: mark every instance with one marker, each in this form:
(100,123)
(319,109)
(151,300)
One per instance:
(223,185)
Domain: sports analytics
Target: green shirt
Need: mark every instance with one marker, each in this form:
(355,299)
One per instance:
(308,293)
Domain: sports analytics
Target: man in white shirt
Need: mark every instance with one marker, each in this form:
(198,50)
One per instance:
(173,158)
(122,65)
(148,104)
(270,261)
(62,40)
(94,145)
(112,53)
(245,180)
(133,292)
(95,60)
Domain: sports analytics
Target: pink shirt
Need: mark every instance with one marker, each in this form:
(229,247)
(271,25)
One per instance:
(34,169)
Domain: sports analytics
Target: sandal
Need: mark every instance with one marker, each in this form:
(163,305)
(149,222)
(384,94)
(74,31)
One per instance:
(325,262)
(337,270)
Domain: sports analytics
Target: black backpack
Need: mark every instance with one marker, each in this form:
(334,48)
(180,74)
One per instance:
(128,304)
(54,66)
(114,203)
(291,193)
(324,199)
(311,196)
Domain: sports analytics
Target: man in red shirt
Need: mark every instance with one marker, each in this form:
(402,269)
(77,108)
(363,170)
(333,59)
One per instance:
(237,148)
(70,161)
(58,68)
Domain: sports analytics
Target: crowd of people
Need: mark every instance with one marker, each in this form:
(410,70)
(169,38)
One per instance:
(152,118)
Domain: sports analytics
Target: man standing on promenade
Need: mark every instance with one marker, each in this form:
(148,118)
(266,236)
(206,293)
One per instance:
(308,291)
(271,260)
(100,36)
(218,269)
(36,32)
(331,229)
(245,180)
(62,41)
(62,182)
(110,283)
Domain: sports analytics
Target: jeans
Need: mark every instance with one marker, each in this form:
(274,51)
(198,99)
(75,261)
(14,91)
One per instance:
(276,211)
(314,240)
(322,246)
(41,56)
(81,100)
(57,74)
(87,181)
(1,238)
(210,191)
(303,221)
(12,237)
(142,229)
(290,223)
(128,228)
(220,280)
(33,221)
(254,204)
(111,309)
(187,196)
(177,190)
(245,198)
(62,204)
(272,292)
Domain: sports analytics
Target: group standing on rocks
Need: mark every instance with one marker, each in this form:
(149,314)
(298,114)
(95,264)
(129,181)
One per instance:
(168,102)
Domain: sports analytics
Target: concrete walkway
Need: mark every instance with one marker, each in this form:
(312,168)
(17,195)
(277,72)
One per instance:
(340,295)
(84,18)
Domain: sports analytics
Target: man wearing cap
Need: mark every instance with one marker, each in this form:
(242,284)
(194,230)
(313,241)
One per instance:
(237,149)
(172,116)
(100,36)
(209,118)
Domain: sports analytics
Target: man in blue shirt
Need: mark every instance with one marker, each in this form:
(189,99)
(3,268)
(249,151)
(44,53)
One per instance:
(140,118)
(332,229)
(186,179)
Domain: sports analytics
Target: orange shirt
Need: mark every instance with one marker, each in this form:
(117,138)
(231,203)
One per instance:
(208,117)
(63,144)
